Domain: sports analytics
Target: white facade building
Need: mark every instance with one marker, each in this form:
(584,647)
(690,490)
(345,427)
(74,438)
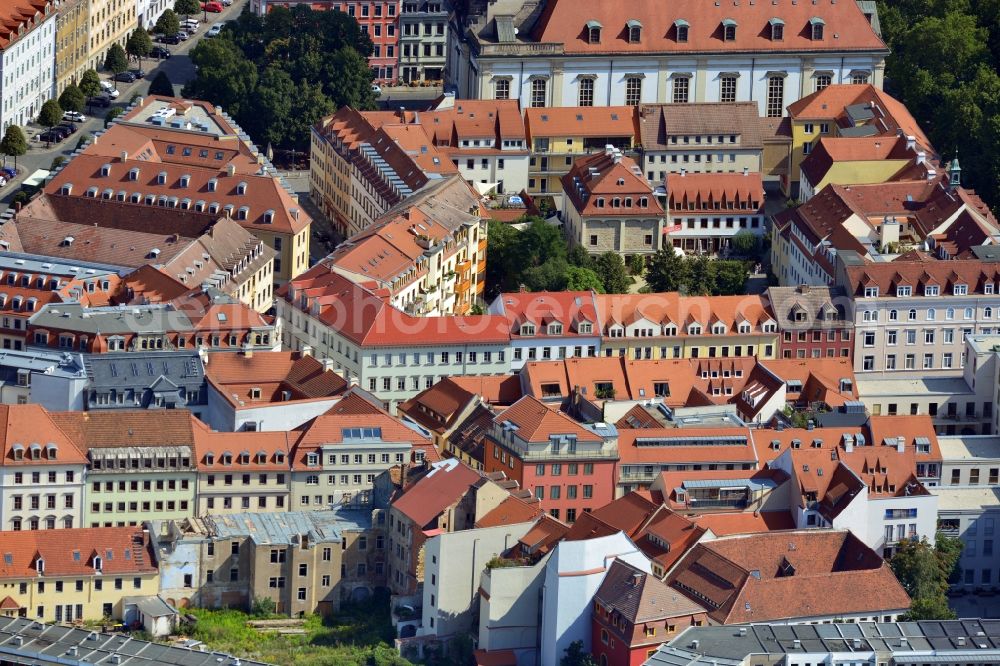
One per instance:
(27,63)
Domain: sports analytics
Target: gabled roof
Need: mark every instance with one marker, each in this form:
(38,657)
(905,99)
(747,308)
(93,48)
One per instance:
(599,178)
(581,121)
(446,483)
(536,423)
(640,597)
(120,428)
(71,552)
(540,309)
(511,511)
(438,407)
(279,376)
(658,122)
(24,427)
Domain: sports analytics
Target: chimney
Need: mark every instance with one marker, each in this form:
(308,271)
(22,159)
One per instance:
(124,155)
(231,169)
(307,350)
(911,142)
(746,171)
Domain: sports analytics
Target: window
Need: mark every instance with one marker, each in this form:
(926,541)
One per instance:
(586,96)
(776,98)
(727,89)
(681,28)
(594,32)
(729,30)
(633,90)
(634,32)
(501,89)
(823,81)
(859,78)
(682,86)
(538,92)
(817,29)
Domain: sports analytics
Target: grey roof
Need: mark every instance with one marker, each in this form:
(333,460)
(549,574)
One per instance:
(110,320)
(152,605)
(277,528)
(812,301)
(51,363)
(23,262)
(733,644)
(659,121)
(49,644)
(141,370)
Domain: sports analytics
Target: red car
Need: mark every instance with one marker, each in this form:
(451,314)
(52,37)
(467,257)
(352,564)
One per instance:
(214,7)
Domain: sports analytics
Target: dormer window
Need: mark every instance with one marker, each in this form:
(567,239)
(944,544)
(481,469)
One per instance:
(279,457)
(161,178)
(209,458)
(106,170)
(312,459)
(729,30)
(634,28)
(555,329)
(777,29)
(816,25)
(212,184)
(744,327)
(241,188)
(527,329)
(133,173)
(243,213)
(185,180)
(932,290)
(593,32)
(960,290)
(269,216)
(694,329)
(227,458)
(904,291)
(586,327)
(98,563)
(40,567)
(718,328)
(871,292)
(681,30)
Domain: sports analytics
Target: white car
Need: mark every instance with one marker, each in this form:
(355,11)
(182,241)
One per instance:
(214,30)
(74,116)
(110,90)
(376,90)
(191,25)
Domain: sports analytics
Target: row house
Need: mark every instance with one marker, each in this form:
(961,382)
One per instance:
(550,325)
(715,137)
(880,222)
(568,467)
(967,506)
(847,109)
(305,562)
(207,320)
(242,471)
(429,252)
(151,173)
(813,321)
(558,136)
(449,498)
(668,325)
(914,316)
(423,40)
(609,206)
(689,53)
(76,574)
(339,454)
(706,210)
(858,160)
(28,282)
(27,58)
(140,464)
(388,352)
(41,472)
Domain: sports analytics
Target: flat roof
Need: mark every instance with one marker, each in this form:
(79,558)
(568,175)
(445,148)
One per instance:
(971,447)
(277,528)
(193,118)
(869,388)
(967,498)
(49,644)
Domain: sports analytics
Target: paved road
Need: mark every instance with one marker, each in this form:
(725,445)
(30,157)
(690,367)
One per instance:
(178,68)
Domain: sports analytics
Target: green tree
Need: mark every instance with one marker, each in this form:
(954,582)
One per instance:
(168,23)
(187,7)
(161,85)
(57,162)
(578,256)
(667,271)
(138,45)
(701,276)
(275,92)
(577,656)
(582,279)
(51,114)
(611,269)
(309,105)
(636,264)
(730,277)
(72,99)
(547,276)
(745,243)
(112,113)
(14,143)
(116,61)
(924,571)
(90,84)
(500,242)
(225,77)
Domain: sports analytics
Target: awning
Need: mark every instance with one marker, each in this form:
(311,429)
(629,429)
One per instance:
(484,188)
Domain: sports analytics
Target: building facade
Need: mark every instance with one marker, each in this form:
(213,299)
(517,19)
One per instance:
(111,22)
(72,36)
(423,40)
(27,60)
(706,210)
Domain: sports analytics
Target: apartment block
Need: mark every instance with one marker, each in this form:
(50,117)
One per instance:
(27,58)
(41,473)
(423,40)
(813,321)
(706,210)
(241,472)
(146,380)
(553,325)
(76,574)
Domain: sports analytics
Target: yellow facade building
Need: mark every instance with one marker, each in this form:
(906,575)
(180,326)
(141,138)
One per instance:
(72,41)
(111,21)
(75,574)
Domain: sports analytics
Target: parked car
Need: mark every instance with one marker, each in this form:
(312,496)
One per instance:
(190,25)
(138,73)
(8,172)
(377,90)
(103,101)
(66,128)
(125,77)
(214,7)
(227,3)
(74,116)
(182,35)
(170,39)
(51,136)
(214,30)
(159,52)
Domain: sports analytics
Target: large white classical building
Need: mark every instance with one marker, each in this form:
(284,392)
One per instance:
(594,53)
(27,60)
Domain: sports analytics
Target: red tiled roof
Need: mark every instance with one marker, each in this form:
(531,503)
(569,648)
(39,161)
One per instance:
(328,430)
(725,524)
(438,407)
(833,150)
(128,427)
(511,511)
(265,451)
(640,597)
(302,377)
(496,390)
(596,180)
(917,274)
(443,486)
(705,190)
(568,309)
(536,423)
(71,552)
(639,446)
(581,121)
(846,28)
(23,427)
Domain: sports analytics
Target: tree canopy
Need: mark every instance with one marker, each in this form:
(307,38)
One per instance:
(279,74)
(14,143)
(576,655)
(944,67)
(139,44)
(187,7)
(116,61)
(90,83)
(72,99)
(696,275)
(51,114)
(924,572)
(168,23)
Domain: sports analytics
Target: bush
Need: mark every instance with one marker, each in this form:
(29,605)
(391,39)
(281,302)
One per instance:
(264,607)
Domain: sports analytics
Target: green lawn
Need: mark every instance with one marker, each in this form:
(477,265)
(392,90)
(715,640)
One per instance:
(360,635)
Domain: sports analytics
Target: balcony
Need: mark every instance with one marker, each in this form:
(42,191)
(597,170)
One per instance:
(463,286)
(716,503)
